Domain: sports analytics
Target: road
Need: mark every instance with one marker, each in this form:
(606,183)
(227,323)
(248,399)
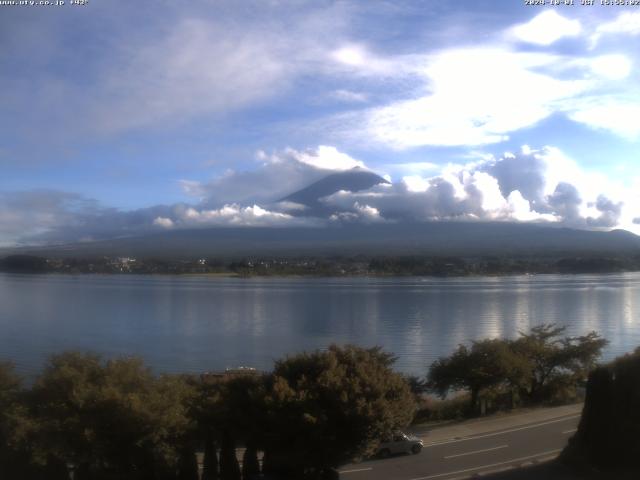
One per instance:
(462,457)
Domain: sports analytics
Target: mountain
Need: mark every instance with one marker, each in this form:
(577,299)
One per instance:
(462,238)
(353,180)
(431,238)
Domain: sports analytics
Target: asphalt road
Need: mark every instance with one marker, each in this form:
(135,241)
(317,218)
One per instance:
(477,454)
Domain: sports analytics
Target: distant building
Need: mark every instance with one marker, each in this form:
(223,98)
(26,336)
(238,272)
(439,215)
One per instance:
(229,373)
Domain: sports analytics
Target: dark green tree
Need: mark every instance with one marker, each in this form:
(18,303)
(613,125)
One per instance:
(112,418)
(232,409)
(187,464)
(15,426)
(229,467)
(210,459)
(250,463)
(552,359)
(608,436)
(341,401)
(487,364)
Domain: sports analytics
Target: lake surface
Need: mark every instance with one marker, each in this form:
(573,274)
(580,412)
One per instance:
(196,323)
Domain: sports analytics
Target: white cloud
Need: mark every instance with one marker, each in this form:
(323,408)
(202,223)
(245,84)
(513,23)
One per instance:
(358,59)
(234,215)
(626,23)
(477,96)
(534,185)
(618,115)
(545,28)
(410,167)
(197,68)
(520,209)
(327,158)
(415,183)
(367,211)
(349,96)
(163,222)
(31,213)
(612,67)
(279,174)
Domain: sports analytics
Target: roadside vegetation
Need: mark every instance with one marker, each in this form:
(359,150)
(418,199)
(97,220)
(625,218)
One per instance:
(115,419)
(539,367)
(607,443)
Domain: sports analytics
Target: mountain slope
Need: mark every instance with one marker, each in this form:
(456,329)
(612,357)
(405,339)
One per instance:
(353,180)
(432,238)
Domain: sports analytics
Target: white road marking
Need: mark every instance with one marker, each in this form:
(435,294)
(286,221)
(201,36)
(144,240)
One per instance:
(466,439)
(570,431)
(476,451)
(542,454)
(355,470)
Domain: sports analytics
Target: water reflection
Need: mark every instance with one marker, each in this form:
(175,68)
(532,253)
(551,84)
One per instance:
(199,323)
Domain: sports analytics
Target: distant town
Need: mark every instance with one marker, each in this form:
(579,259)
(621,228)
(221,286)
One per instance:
(360,265)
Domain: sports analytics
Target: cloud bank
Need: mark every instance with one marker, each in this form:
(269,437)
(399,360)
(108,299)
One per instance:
(541,185)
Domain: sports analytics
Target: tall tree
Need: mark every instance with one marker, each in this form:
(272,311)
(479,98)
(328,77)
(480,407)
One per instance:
(15,426)
(341,401)
(488,363)
(229,466)
(550,357)
(210,459)
(78,401)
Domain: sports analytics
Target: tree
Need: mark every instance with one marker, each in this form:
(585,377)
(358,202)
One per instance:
(608,435)
(112,418)
(538,365)
(15,427)
(210,460)
(551,358)
(250,464)
(232,409)
(341,401)
(488,363)
(229,467)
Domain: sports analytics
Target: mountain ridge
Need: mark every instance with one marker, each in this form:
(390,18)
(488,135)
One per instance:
(429,238)
(354,180)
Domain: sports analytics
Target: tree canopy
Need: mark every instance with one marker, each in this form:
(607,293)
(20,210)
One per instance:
(341,401)
(534,365)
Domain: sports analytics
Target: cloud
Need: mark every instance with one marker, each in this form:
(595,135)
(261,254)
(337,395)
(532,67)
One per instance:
(31,213)
(533,185)
(565,202)
(457,111)
(197,67)
(163,222)
(232,215)
(327,158)
(609,213)
(539,185)
(359,60)
(358,213)
(627,23)
(481,94)
(612,67)
(279,174)
(176,66)
(349,96)
(618,115)
(545,28)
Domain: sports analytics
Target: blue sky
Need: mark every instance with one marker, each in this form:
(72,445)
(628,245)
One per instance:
(120,118)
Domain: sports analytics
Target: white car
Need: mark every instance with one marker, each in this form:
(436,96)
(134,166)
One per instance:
(400,443)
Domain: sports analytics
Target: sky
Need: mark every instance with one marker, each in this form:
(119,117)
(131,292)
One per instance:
(119,118)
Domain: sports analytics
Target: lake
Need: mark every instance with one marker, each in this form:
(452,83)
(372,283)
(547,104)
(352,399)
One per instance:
(199,323)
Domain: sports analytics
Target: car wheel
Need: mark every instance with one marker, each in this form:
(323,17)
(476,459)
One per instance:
(416,449)
(384,453)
